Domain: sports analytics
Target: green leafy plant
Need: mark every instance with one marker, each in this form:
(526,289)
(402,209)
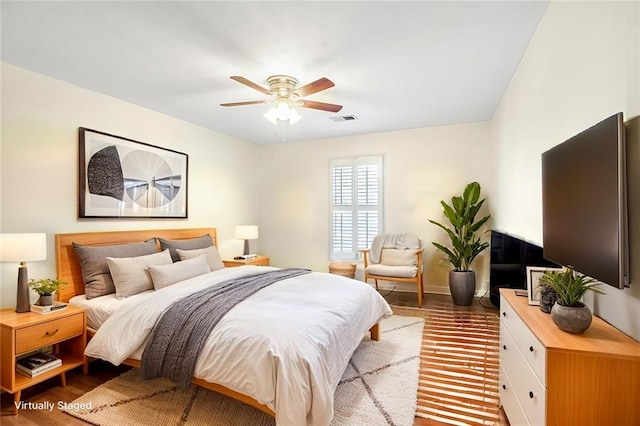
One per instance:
(569,286)
(463,233)
(46,286)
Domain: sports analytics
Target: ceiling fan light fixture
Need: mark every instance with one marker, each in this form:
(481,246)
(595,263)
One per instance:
(283,111)
(285,96)
(294,117)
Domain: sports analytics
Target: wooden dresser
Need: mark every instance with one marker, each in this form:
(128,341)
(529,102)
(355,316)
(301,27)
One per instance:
(548,376)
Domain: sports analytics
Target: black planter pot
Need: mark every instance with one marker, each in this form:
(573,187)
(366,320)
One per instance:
(462,286)
(548,297)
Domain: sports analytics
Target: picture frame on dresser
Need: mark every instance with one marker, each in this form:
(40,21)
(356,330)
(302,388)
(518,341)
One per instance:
(533,282)
(124,178)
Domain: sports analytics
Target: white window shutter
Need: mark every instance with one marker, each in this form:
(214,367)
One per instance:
(356,204)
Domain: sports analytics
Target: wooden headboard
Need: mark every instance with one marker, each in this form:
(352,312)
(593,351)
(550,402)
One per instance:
(68,266)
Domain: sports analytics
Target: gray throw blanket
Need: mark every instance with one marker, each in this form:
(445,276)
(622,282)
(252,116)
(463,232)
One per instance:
(395,241)
(180,334)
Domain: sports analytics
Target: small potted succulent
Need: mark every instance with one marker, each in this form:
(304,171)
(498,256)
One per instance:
(45,287)
(569,313)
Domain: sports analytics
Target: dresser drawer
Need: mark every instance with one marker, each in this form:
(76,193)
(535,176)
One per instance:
(510,403)
(511,358)
(48,333)
(531,348)
(526,387)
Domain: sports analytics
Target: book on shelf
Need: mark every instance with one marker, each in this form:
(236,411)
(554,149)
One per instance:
(38,363)
(55,307)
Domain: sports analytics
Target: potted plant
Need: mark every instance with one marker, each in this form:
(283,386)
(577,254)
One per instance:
(45,287)
(569,313)
(548,297)
(465,241)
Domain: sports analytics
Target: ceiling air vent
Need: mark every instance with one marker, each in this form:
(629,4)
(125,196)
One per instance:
(344,118)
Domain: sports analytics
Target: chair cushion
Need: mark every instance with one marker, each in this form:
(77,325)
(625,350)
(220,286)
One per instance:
(399,257)
(392,271)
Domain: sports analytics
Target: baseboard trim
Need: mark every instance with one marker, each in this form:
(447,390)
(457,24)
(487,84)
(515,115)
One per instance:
(431,289)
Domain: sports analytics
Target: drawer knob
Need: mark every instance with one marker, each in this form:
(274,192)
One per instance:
(504,347)
(504,314)
(504,387)
(530,394)
(530,348)
(51,333)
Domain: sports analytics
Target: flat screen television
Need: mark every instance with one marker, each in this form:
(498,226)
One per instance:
(584,203)
(509,259)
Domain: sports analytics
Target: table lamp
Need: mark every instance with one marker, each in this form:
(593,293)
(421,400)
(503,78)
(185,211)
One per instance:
(22,248)
(246,233)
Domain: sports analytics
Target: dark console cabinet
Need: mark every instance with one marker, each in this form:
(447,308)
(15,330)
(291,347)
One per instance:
(510,257)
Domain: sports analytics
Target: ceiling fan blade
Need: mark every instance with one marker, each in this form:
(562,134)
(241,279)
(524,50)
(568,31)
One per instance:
(243,103)
(251,84)
(321,105)
(315,87)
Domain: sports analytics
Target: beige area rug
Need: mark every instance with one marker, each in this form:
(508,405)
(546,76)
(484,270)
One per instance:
(378,387)
(458,382)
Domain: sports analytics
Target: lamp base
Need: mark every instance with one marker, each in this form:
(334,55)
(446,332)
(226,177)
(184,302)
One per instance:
(246,247)
(23,303)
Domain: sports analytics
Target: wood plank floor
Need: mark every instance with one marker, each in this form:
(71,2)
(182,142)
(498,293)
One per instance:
(100,372)
(435,300)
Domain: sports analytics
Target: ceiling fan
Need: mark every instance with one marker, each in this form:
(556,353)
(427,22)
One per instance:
(284,90)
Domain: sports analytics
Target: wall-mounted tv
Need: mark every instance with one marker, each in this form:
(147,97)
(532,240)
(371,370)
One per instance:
(584,203)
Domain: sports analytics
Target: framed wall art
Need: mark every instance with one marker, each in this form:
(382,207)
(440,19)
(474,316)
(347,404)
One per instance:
(533,282)
(122,178)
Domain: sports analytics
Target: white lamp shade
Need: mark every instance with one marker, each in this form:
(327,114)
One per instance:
(23,247)
(247,232)
(294,117)
(283,111)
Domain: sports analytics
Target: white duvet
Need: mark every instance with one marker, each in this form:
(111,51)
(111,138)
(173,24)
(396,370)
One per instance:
(286,346)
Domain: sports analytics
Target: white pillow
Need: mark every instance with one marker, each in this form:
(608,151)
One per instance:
(213,257)
(130,275)
(165,275)
(399,257)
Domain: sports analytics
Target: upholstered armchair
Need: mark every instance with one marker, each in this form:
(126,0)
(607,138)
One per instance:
(395,257)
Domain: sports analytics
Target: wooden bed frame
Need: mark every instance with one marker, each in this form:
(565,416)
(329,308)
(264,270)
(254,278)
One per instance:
(69,270)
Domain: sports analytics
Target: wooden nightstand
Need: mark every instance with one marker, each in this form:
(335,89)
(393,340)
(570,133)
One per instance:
(258,261)
(22,333)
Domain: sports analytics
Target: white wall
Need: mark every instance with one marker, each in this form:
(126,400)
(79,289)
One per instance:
(582,66)
(422,167)
(283,188)
(39,162)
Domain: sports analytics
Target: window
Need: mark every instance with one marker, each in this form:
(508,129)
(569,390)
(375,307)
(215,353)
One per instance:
(356,204)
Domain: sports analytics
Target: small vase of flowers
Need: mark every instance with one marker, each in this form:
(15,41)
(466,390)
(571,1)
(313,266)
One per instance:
(45,287)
